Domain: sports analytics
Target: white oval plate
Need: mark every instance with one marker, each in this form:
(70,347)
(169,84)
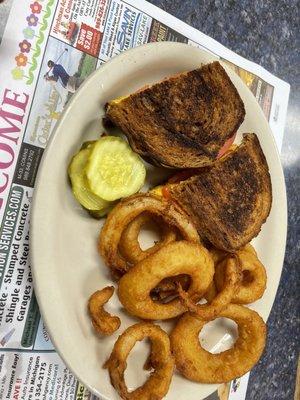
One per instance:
(65,262)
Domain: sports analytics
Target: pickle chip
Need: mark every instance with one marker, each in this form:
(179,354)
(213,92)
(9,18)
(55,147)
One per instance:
(101,213)
(88,144)
(80,188)
(113,170)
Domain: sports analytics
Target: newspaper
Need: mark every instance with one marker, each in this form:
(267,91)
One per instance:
(79,35)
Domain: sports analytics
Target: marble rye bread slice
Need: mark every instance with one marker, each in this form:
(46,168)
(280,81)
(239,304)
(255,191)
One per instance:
(182,121)
(229,201)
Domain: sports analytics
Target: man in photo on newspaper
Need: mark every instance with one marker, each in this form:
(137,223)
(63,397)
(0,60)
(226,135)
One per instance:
(71,83)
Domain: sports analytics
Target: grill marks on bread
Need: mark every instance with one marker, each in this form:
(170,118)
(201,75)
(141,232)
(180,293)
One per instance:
(231,200)
(184,120)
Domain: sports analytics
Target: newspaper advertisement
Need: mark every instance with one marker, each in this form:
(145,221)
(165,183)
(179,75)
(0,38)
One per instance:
(78,36)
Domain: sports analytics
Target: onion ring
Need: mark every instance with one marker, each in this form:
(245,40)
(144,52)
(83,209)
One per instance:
(211,292)
(250,249)
(253,283)
(222,299)
(130,249)
(217,255)
(199,365)
(168,287)
(180,257)
(125,212)
(157,385)
(129,245)
(102,321)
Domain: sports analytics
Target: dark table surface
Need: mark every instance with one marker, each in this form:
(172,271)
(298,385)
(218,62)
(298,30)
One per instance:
(267,32)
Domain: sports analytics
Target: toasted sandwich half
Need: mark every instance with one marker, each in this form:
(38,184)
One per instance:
(182,121)
(229,201)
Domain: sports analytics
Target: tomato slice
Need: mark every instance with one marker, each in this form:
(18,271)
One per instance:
(226,146)
(166,192)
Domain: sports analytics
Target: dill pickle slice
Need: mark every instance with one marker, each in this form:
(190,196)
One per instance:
(80,188)
(98,214)
(87,144)
(113,170)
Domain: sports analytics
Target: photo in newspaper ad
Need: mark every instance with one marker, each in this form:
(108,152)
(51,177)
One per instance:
(103,30)
(63,70)
(80,24)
